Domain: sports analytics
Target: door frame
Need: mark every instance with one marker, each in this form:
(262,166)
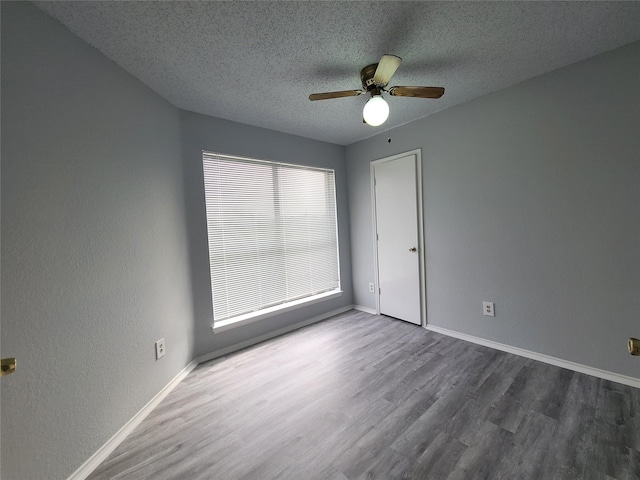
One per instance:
(421,252)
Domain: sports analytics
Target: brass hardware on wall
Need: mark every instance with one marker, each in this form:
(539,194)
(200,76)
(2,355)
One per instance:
(634,346)
(7,366)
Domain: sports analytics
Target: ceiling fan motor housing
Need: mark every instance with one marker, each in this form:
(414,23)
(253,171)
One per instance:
(366,75)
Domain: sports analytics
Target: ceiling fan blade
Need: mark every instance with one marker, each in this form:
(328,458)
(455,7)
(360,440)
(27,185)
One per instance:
(386,68)
(417,92)
(340,94)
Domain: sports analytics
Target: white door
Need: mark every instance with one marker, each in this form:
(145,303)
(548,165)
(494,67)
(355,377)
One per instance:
(396,212)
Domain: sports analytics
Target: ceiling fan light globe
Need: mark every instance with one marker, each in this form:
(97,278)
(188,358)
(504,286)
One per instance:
(376,111)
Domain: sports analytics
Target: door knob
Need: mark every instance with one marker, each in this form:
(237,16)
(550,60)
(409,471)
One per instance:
(7,366)
(413,249)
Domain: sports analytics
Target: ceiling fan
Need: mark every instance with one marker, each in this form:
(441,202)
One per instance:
(375,78)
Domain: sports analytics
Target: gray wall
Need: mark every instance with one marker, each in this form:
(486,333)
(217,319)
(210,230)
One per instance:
(532,201)
(94,247)
(199,133)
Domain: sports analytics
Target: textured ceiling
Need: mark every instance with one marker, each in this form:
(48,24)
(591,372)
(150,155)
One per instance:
(257,62)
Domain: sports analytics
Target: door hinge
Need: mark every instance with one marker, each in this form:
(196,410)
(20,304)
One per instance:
(379,290)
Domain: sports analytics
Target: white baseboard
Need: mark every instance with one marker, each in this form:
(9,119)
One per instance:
(267,336)
(360,308)
(101,455)
(558,362)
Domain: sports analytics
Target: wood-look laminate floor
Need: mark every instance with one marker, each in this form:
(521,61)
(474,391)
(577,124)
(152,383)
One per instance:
(364,396)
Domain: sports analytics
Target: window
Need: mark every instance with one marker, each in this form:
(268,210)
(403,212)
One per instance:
(273,241)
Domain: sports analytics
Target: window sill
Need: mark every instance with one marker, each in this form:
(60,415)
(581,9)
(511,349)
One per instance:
(224,325)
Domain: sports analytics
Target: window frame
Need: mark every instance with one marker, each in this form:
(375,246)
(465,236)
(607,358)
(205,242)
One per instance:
(243,319)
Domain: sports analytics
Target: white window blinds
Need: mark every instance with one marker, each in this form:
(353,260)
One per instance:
(272,233)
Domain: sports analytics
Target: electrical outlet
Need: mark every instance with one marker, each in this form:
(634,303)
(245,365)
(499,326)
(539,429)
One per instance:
(372,288)
(488,309)
(160,349)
